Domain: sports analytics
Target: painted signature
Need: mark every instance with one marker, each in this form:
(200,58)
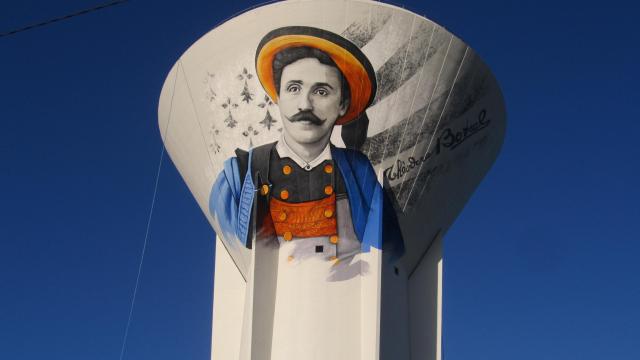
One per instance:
(449,139)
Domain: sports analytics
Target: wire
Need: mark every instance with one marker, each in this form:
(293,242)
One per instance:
(144,249)
(146,235)
(54,20)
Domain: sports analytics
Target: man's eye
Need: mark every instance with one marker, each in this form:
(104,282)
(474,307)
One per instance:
(293,88)
(322,92)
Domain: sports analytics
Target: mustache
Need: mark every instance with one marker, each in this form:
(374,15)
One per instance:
(306,116)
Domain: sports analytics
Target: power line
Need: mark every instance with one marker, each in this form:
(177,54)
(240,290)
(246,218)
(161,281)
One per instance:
(69,16)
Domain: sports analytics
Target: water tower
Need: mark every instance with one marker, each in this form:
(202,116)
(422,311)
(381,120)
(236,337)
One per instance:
(331,145)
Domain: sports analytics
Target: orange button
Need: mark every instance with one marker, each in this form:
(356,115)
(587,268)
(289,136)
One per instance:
(328,168)
(287,169)
(282,216)
(328,213)
(287,235)
(284,194)
(264,189)
(290,258)
(333,239)
(328,189)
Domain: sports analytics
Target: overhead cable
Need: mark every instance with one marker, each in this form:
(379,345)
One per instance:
(66,17)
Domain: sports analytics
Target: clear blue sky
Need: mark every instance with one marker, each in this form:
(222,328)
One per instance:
(542,263)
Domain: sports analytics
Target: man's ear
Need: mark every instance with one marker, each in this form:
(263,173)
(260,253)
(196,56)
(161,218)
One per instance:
(344,107)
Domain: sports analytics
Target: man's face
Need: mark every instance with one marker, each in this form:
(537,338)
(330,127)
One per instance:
(309,101)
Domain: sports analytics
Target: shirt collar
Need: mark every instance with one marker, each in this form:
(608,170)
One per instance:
(285,151)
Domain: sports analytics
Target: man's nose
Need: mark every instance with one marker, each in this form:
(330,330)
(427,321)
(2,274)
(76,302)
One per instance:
(304,102)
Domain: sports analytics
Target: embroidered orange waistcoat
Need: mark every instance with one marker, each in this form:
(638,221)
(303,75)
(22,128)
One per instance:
(305,219)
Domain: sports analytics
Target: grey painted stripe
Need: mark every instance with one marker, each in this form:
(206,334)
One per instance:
(362,31)
(389,77)
(473,85)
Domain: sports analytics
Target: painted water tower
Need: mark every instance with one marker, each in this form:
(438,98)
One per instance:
(330,144)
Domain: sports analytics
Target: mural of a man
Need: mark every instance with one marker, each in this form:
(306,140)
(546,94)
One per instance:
(319,206)
(306,238)
(311,212)
(307,189)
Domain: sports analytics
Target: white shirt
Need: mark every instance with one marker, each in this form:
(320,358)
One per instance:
(285,151)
